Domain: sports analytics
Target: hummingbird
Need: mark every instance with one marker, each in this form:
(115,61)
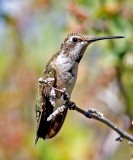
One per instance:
(61,72)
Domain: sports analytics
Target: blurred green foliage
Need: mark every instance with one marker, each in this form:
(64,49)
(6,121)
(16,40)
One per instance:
(30,33)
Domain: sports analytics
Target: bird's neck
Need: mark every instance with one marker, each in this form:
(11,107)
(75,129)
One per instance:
(63,61)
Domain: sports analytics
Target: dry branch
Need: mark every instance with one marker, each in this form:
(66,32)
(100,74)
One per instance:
(91,113)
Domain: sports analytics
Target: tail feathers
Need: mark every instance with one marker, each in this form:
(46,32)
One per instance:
(36,140)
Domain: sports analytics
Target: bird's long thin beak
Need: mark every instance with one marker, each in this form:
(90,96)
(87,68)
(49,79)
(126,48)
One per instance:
(93,39)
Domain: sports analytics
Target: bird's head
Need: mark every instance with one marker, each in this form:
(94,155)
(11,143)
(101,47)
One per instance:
(75,44)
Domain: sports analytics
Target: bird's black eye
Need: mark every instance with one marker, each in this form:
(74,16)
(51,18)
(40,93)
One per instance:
(75,39)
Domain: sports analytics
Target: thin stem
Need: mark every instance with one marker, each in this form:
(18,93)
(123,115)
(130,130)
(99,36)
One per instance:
(91,113)
(97,116)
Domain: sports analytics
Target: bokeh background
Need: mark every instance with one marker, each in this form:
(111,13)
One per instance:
(31,31)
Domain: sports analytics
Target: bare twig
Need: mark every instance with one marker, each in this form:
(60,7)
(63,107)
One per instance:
(91,113)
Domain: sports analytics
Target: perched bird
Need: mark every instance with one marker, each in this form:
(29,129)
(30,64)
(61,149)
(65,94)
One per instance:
(60,72)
